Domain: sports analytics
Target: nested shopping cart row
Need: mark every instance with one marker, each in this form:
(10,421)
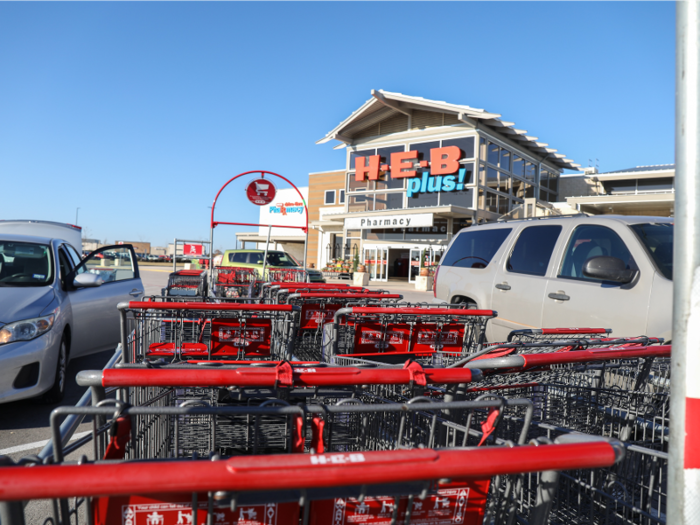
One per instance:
(363,325)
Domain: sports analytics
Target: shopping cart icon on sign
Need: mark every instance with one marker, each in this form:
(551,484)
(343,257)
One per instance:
(262,188)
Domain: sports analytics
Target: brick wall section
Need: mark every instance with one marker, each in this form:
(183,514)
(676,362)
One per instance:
(318,184)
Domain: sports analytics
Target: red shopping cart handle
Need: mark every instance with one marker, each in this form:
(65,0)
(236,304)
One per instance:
(284,375)
(598,354)
(343,295)
(190,272)
(456,312)
(296,471)
(147,305)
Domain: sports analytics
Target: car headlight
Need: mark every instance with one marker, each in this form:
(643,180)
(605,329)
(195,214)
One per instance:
(26,330)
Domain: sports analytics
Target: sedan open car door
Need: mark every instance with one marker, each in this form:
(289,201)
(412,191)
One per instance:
(94,305)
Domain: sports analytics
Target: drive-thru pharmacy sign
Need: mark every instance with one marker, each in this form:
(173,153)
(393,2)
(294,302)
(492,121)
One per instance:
(446,173)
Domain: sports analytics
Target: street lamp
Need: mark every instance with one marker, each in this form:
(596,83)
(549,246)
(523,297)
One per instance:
(76,216)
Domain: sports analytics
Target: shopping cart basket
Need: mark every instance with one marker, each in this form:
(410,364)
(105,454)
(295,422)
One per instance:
(319,307)
(393,334)
(234,281)
(180,330)
(287,275)
(187,283)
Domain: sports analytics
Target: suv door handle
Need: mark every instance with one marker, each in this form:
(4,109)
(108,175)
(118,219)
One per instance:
(559,296)
(503,286)
(135,292)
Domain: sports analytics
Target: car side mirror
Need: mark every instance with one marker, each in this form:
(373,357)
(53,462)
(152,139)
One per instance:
(608,269)
(87,280)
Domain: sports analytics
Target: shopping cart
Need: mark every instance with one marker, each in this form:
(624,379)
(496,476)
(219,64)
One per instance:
(319,308)
(287,275)
(434,334)
(234,281)
(408,486)
(186,283)
(182,330)
(555,334)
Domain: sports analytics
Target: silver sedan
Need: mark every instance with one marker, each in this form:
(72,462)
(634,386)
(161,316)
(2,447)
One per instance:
(55,306)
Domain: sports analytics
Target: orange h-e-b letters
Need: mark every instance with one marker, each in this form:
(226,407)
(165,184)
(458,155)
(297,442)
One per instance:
(371,170)
(400,162)
(444,161)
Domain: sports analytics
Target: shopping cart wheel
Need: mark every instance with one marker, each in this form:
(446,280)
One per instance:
(55,395)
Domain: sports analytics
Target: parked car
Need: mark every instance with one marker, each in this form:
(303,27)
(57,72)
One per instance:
(275,260)
(54,306)
(153,258)
(601,271)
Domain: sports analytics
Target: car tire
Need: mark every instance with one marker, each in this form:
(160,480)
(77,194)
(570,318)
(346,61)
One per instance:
(57,391)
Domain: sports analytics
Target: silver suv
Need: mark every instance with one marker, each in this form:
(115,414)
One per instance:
(601,271)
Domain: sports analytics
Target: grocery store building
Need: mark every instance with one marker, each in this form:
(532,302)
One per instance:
(417,171)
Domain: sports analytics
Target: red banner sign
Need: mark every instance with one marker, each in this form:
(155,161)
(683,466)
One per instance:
(193,249)
(261,192)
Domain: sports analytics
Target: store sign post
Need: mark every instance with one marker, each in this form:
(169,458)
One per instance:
(446,173)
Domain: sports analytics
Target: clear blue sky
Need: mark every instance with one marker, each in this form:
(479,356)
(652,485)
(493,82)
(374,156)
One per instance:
(138,112)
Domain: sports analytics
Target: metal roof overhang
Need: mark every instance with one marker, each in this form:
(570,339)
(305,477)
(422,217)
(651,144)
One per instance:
(455,212)
(639,204)
(256,237)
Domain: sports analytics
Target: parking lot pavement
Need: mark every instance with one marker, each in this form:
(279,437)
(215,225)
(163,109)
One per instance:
(154,278)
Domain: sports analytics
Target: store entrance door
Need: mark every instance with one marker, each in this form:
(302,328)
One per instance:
(415,261)
(377,262)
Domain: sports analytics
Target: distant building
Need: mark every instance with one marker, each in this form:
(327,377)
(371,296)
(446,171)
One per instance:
(139,247)
(91,245)
(643,190)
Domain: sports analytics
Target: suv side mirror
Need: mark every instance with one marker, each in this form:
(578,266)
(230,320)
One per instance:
(87,280)
(608,269)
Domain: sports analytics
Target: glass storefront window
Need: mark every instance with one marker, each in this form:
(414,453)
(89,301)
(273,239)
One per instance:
(482,175)
(359,203)
(493,153)
(423,150)
(531,172)
(465,145)
(497,180)
(388,201)
(503,205)
(522,189)
(363,153)
(460,198)
(458,224)
(385,181)
(505,159)
(518,166)
(353,185)
(423,199)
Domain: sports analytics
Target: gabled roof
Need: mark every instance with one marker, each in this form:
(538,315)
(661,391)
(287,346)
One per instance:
(384,104)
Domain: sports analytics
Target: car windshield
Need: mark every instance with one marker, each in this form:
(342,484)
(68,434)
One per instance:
(281,259)
(657,239)
(24,264)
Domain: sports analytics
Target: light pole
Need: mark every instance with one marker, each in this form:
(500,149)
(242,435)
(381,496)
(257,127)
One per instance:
(76,216)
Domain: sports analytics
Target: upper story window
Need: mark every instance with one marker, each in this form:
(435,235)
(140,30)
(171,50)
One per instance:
(329,197)
(639,185)
(341,196)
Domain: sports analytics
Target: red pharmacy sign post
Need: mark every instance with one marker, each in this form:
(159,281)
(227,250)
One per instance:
(260,192)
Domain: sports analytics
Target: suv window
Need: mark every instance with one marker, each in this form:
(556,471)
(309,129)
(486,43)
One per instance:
(475,249)
(593,241)
(532,252)
(657,239)
(256,258)
(237,257)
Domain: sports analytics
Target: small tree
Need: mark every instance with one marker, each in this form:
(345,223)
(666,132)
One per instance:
(355,262)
